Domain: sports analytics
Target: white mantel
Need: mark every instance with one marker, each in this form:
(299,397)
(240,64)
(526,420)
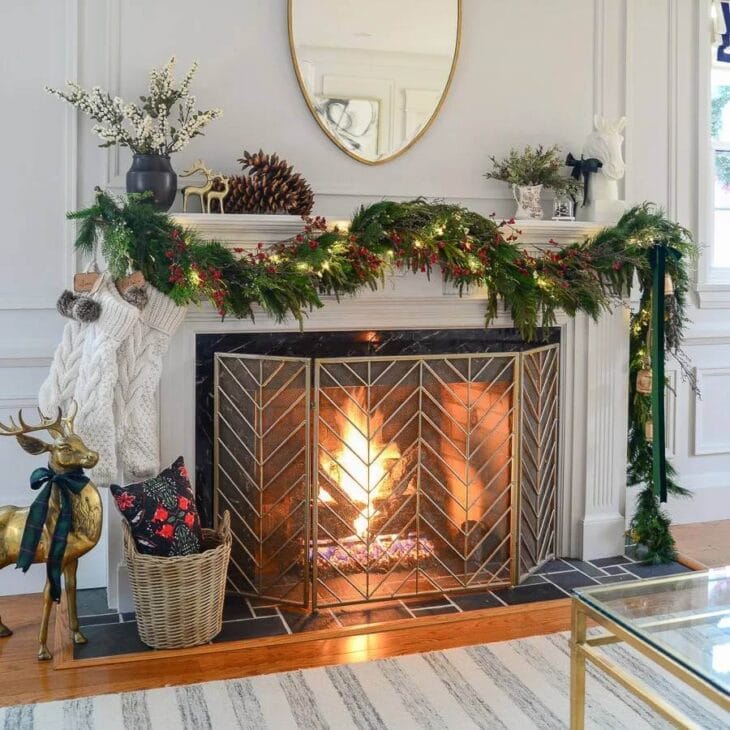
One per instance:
(241,230)
(594,375)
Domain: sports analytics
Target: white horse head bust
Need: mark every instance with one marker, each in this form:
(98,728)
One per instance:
(604,143)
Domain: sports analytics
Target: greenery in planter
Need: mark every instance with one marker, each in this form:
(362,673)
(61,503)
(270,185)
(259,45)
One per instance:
(289,278)
(534,166)
(146,128)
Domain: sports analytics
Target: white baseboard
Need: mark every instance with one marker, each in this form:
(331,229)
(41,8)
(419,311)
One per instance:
(602,536)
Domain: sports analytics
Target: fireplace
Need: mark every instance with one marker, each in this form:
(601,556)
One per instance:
(407,464)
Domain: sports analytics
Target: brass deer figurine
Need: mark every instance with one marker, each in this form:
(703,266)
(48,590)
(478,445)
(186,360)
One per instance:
(219,195)
(200,190)
(62,524)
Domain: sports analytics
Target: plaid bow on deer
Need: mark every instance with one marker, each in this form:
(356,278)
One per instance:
(70,481)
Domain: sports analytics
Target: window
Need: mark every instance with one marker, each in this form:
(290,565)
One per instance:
(720,133)
(720,128)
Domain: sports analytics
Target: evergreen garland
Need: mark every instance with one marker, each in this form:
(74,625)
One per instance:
(288,279)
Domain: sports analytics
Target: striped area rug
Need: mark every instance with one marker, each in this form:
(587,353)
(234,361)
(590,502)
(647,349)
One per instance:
(514,684)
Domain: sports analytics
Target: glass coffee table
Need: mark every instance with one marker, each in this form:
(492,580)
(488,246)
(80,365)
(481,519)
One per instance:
(681,623)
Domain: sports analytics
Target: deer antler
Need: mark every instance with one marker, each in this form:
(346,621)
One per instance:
(46,424)
(68,421)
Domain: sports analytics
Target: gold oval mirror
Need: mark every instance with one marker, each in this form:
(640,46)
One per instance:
(374,73)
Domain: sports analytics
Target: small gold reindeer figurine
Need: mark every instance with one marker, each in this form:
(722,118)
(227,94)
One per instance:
(62,524)
(200,190)
(219,195)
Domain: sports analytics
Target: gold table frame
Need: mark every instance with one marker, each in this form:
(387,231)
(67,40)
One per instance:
(584,649)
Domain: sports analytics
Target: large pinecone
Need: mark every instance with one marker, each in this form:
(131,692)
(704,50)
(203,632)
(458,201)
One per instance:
(271,186)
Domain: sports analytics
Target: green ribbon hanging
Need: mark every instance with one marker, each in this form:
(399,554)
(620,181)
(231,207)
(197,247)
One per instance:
(658,258)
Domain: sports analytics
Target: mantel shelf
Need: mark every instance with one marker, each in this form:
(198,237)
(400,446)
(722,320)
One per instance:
(248,229)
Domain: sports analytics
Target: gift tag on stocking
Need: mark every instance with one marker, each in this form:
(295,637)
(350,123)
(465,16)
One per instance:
(134,280)
(85,281)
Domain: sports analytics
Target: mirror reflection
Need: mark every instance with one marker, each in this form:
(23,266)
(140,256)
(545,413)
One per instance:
(374,72)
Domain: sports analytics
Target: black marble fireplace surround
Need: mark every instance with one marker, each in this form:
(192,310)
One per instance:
(361,343)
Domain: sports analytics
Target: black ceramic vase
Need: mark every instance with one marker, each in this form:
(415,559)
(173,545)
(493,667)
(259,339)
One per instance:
(153,173)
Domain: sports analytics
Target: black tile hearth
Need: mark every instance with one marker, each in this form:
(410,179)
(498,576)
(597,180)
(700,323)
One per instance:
(375,615)
(264,611)
(425,602)
(102,618)
(655,571)
(584,567)
(616,560)
(530,594)
(435,611)
(111,635)
(299,622)
(476,601)
(553,566)
(110,640)
(618,578)
(573,579)
(251,629)
(92,602)
(614,570)
(236,607)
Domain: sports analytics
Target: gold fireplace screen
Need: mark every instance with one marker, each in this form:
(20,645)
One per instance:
(361,479)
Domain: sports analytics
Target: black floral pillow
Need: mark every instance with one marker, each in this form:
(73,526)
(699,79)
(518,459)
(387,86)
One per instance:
(161,512)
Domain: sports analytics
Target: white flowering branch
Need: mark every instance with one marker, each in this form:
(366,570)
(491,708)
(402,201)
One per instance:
(145,129)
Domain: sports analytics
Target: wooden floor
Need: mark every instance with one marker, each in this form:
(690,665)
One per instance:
(24,679)
(704,544)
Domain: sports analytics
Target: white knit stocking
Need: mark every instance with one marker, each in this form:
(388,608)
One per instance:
(58,388)
(140,367)
(97,378)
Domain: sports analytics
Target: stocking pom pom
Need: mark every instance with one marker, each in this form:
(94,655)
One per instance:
(137,296)
(65,303)
(86,309)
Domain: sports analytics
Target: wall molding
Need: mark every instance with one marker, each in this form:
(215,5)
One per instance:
(673,108)
(114,83)
(35,302)
(670,406)
(705,337)
(71,192)
(25,361)
(599,52)
(702,447)
(17,402)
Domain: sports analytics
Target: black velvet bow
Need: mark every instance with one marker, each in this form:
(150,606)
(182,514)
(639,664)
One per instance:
(585,168)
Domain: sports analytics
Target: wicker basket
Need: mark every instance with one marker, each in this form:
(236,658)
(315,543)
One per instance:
(179,600)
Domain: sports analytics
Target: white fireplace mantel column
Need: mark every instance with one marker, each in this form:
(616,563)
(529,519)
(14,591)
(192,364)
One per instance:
(594,373)
(594,471)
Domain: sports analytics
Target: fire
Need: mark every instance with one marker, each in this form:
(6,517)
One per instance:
(359,467)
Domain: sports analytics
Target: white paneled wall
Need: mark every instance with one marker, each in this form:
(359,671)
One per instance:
(530,71)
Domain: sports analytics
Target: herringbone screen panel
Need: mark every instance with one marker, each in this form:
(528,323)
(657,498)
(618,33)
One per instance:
(539,457)
(414,475)
(262,471)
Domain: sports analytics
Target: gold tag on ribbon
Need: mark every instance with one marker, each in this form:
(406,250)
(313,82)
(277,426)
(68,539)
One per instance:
(644,381)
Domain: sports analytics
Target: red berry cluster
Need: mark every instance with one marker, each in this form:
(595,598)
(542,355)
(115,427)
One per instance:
(314,225)
(364,262)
